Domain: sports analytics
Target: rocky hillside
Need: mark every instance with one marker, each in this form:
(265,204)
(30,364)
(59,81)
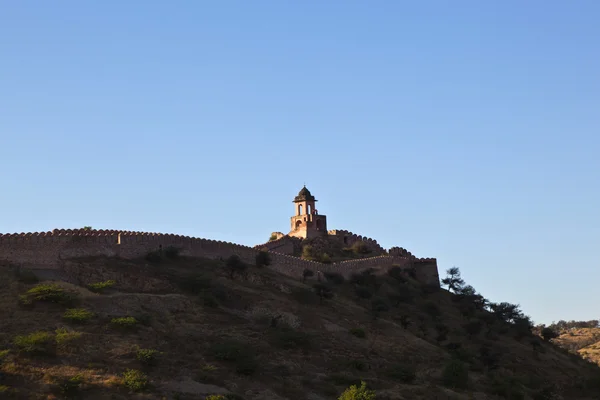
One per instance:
(579,337)
(180,328)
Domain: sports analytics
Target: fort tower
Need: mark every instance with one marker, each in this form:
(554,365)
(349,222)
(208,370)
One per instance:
(307,223)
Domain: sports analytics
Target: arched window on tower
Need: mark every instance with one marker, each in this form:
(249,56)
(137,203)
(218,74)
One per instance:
(308,209)
(300,209)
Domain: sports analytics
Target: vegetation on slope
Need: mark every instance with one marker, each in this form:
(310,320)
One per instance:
(179,328)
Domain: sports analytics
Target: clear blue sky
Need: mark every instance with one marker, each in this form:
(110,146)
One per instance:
(466,131)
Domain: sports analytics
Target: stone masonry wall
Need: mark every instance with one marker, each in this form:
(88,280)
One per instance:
(46,250)
(352,238)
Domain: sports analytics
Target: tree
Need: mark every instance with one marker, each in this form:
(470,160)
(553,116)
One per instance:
(307,273)
(548,334)
(235,264)
(323,291)
(263,259)
(453,279)
(358,393)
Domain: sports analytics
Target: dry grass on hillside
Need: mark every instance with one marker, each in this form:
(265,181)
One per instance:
(181,329)
(584,341)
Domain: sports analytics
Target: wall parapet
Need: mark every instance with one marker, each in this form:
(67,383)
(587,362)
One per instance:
(46,250)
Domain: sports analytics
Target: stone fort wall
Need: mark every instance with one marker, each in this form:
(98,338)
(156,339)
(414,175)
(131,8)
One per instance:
(46,250)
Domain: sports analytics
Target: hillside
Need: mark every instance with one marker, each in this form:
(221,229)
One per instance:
(579,337)
(186,328)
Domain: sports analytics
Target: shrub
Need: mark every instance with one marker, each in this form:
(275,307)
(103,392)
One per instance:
(272,237)
(172,252)
(79,315)
(70,386)
(263,259)
(548,334)
(358,332)
(358,365)
(360,247)
(50,293)
(325,259)
(455,374)
(358,393)
(308,253)
(397,273)
(64,336)
(403,373)
(99,287)
(124,322)
(364,278)
(323,291)
(334,277)
(236,352)
(307,273)
(235,265)
(146,356)
(135,380)
(35,343)
(154,256)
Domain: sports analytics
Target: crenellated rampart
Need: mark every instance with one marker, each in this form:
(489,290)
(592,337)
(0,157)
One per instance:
(348,238)
(283,245)
(46,250)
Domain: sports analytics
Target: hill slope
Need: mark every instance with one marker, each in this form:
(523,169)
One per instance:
(260,336)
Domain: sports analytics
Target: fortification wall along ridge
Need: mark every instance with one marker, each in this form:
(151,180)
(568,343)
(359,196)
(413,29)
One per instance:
(284,245)
(46,250)
(349,238)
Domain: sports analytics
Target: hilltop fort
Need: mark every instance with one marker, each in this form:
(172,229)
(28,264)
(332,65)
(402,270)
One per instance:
(308,245)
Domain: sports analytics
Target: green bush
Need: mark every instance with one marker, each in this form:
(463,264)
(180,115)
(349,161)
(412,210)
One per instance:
(50,293)
(64,336)
(35,343)
(360,247)
(4,354)
(135,380)
(99,287)
(455,374)
(358,332)
(403,373)
(358,393)
(325,258)
(79,315)
(146,356)
(70,387)
(124,322)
